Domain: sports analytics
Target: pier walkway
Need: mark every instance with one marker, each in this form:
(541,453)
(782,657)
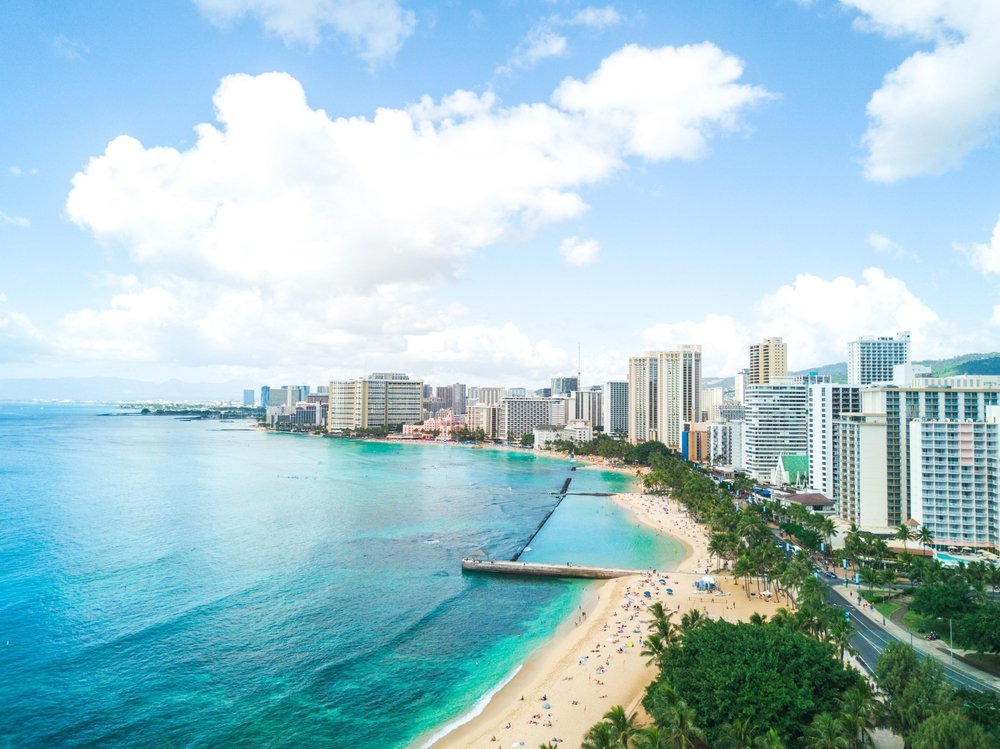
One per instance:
(535,569)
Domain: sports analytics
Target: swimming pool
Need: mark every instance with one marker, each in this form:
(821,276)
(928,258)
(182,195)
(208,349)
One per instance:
(940,555)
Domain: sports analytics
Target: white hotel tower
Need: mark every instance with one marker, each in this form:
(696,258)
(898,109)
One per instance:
(870,360)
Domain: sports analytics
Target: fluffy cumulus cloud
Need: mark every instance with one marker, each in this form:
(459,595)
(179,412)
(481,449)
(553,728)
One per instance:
(697,93)
(579,252)
(941,102)
(377,27)
(985,257)
(331,233)
(507,353)
(20,340)
(817,317)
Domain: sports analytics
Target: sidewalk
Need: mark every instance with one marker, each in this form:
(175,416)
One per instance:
(930,649)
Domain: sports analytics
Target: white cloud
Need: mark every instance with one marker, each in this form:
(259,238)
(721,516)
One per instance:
(579,252)
(817,317)
(401,197)
(594,18)
(938,105)
(539,44)
(20,340)
(377,27)
(881,243)
(666,102)
(544,40)
(18,171)
(282,223)
(20,221)
(985,257)
(505,352)
(69,49)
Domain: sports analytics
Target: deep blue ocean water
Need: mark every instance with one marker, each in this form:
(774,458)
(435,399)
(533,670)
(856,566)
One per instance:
(199,584)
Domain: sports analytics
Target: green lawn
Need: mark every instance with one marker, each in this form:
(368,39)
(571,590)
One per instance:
(888,608)
(989,662)
(914,622)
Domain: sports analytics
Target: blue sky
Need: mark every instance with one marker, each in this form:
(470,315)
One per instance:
(294,190)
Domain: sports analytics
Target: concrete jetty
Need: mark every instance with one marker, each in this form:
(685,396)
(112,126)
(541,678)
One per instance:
(535,569)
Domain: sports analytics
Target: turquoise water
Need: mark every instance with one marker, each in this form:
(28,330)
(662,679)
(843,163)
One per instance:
(178,583)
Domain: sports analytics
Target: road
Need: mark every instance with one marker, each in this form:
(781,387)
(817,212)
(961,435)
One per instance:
(871,640)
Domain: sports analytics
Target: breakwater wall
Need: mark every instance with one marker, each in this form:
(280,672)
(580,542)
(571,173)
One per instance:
(561,497)
(535,569)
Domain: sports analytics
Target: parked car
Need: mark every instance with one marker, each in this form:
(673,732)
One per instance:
(933,636)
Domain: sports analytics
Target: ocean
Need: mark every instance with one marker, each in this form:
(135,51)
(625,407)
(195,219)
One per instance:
(177,583)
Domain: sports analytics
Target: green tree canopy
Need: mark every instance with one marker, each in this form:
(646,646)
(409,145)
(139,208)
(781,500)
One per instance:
(915,690)
(765,675)
(942,600)
(949,729)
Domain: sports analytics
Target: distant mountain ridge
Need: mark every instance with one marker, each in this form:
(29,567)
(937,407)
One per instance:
(965,364)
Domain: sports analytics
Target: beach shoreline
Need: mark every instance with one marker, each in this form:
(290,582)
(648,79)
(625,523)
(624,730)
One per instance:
(593,660)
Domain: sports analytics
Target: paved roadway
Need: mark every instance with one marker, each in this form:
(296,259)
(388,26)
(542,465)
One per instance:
(872,639)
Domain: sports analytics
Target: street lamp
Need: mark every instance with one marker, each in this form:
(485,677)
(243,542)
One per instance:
(951,644)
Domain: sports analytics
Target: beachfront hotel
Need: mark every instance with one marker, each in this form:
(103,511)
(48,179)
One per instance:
(954,470)
(384,399)
(614,403)
(875,464)
(517,417)
(664,393)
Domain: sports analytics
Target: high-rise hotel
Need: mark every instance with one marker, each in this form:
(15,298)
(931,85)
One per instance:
(385,399)
(871,360)
(768,359)
(664,393)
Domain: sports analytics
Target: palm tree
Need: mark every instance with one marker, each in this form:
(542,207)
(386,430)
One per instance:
(681,728)
(654,649)
(904,533)
(691,619)
(840,633)
(717,546)
(548,745)
(782,617)
(856,715)
(737,735)
(769,740)
(825,732)
(925,536)
(660,624)
(600,736)
(623,726)
(757,618)
(652,738)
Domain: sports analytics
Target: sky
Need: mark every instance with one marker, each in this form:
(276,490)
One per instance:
(271,191)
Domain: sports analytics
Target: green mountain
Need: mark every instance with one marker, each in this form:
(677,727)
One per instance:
(966,364)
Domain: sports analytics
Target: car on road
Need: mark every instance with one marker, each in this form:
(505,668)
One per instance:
(933,636)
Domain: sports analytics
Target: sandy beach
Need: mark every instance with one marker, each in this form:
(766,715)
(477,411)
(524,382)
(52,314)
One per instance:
(593,661)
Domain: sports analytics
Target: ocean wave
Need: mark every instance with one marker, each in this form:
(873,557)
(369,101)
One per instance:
(472,712)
